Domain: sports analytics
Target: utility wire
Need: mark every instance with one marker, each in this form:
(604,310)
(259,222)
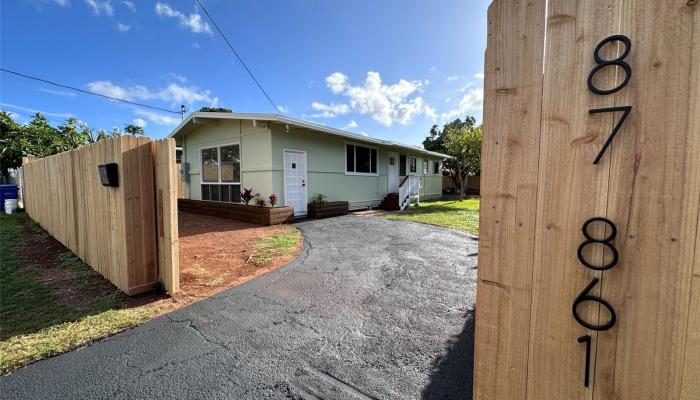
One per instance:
(88,92)
(238,56)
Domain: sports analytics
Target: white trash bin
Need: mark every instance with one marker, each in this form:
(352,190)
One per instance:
(10,206)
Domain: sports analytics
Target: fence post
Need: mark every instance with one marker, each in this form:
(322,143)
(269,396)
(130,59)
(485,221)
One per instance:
(166,179)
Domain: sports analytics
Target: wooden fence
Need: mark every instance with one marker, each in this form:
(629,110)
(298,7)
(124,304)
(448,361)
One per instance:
(125,233)
(473,183)
(544,325)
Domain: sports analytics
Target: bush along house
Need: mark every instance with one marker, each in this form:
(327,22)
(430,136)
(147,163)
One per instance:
(223,153)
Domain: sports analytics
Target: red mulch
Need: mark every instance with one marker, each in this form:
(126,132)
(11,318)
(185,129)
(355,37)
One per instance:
(215,254)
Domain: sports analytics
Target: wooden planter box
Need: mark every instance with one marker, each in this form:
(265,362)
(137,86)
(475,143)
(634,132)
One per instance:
(239,212)
(329,209)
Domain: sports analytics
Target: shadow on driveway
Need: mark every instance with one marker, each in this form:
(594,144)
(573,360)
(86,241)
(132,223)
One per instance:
(452,374)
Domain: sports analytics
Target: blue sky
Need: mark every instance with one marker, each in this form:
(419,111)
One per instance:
(390,69)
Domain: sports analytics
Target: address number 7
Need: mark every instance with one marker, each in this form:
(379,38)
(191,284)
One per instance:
(626,111)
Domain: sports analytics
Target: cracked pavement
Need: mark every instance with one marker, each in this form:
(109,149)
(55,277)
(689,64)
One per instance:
(371,309)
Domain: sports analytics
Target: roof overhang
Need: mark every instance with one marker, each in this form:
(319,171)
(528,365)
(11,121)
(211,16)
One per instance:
(197,119)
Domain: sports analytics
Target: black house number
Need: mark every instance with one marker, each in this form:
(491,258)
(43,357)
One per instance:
(607,241)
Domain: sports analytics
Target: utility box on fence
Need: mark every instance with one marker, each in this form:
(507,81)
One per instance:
(589,252)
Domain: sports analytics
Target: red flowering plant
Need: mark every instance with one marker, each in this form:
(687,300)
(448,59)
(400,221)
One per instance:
(273,199)
(246,195)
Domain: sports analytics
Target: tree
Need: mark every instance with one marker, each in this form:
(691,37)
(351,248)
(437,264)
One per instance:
(11,143)
(134,130)
(436,142)
(215,109)
(464,144)
(39,139)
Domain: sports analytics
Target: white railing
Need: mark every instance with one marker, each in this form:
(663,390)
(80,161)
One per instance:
(409,191)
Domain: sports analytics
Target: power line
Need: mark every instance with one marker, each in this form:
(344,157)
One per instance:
(88,92)
(238,56)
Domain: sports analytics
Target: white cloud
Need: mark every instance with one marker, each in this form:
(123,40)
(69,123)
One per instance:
(337,82)
(473,100)
(65,93)
(385,103)
(193,21)
(33,111)
(130,5)
(433,68)
(448,99)
(329,110)
(139,122)
(123,27)
(430,112)
(195,45)
(479,76)
(100,7)
(173,93)
(452,78)
(158,118)
(283,109)
(350,125)
(465,87)
(364,134)
(177,77)
(62,3)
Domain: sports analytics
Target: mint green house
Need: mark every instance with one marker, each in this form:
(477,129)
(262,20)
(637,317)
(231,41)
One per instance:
(222,153)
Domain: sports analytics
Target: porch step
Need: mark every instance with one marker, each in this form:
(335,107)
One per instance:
(390,202)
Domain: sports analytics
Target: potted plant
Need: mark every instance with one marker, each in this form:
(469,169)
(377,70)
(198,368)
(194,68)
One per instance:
(259,201)
(320,207)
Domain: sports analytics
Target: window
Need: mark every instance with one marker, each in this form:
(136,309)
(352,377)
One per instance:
(425,167)
(221,174)
(412,164)
(360,160)
(436,167)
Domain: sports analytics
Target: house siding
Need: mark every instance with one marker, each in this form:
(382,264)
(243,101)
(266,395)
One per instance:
(326,168)
(256,157)
(262,162)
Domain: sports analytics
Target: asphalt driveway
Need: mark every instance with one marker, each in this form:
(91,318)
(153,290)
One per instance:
(371,309)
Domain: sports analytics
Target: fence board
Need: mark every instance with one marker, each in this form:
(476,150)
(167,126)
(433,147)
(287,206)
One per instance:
(571,190)
(167,180)
(112,229)
(513,87)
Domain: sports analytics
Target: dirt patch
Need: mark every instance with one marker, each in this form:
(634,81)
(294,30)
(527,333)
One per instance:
(217,253)
(55,267)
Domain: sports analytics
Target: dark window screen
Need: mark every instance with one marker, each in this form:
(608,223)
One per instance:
(350,157)
(362,159)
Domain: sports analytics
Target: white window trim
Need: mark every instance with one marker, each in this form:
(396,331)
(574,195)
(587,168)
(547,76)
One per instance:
(218,156)
(345,167)
(426,167)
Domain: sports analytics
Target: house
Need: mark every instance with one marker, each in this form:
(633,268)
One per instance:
(224,152)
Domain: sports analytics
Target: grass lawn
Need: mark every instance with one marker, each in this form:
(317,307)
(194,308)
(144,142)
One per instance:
(50,301)
(280,244)
(460,215)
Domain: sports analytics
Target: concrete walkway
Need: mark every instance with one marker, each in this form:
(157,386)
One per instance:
(371,309)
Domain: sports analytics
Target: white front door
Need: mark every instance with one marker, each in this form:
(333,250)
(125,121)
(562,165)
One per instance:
(295,181)
(393,172)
